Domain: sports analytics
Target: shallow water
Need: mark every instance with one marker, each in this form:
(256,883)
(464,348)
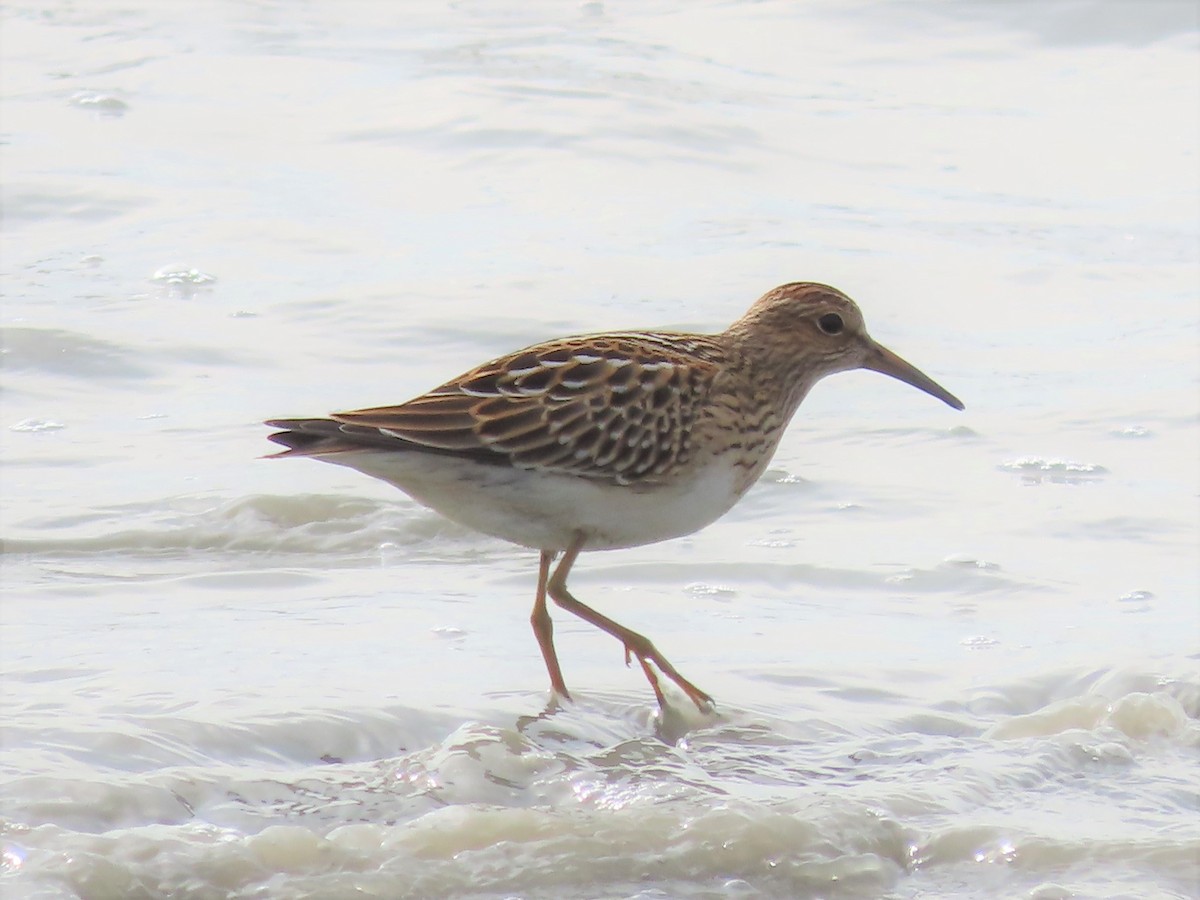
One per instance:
(955,655)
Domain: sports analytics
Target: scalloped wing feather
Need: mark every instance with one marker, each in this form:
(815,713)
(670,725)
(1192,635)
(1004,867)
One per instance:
(613,407)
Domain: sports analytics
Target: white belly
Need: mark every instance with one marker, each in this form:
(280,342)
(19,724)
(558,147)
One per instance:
(545,511)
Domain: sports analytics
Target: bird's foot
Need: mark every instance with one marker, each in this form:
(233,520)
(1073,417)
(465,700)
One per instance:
(649,654)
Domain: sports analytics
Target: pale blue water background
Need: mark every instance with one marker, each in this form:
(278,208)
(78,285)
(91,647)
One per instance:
(955,654)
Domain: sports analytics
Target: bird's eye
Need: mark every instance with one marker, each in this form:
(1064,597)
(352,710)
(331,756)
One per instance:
(831,323)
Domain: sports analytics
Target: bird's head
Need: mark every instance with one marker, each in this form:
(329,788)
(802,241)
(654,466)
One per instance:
(818,330)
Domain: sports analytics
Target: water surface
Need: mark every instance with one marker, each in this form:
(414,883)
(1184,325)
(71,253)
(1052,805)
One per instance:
(955,655)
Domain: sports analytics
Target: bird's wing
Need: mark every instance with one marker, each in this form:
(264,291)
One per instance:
(615,407)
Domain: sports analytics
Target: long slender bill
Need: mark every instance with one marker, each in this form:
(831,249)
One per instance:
(881,359)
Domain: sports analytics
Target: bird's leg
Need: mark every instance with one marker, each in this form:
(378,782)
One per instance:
(635,643)
(651,677)
(543,628)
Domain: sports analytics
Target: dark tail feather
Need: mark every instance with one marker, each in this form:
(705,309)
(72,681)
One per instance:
(320,437)
(315,437)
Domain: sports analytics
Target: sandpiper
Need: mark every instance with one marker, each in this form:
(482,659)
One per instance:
(608,440)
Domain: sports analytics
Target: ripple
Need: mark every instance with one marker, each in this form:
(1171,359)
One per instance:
(35,426)
(574,801)
(979,642)
(713,591)
(1137,601)
(303,523)
(772,543)
(62,352)
(782,476)
(182,282)
(43,203)
(1038,469)
(102,103)
(1136,597)
(1132,431)
(970,562)
(1137,715)
(178,274)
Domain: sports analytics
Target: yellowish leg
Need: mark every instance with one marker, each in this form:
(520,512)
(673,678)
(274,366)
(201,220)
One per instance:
(635,643)
(543,628)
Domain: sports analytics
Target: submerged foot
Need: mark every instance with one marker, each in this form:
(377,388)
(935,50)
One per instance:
(647,654)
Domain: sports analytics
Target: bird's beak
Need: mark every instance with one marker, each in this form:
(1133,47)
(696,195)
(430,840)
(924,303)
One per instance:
(881,359)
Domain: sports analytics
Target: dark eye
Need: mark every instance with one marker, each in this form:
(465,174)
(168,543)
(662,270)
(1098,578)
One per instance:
(831,323)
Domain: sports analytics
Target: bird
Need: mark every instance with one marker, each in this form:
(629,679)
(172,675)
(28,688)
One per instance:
(608,441)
